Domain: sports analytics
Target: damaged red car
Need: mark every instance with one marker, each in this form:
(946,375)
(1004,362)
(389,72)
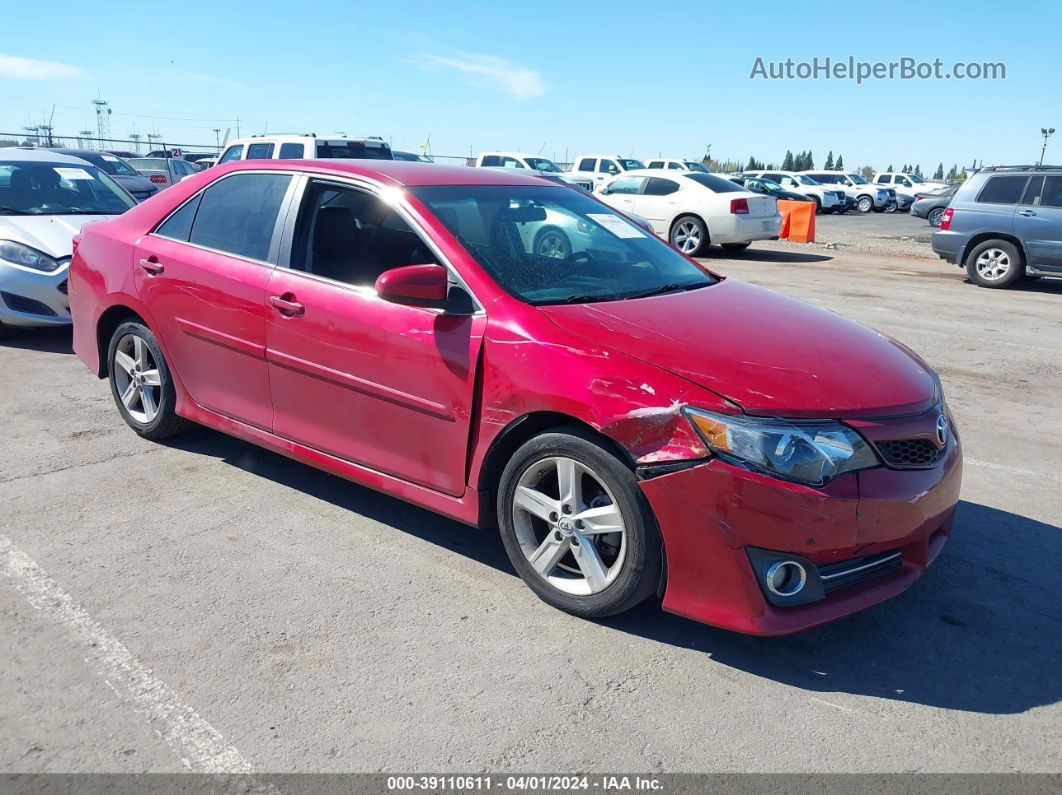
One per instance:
(512,353)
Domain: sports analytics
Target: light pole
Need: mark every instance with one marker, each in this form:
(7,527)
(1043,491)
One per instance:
(1046,133)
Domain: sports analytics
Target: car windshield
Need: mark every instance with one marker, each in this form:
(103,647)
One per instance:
(111,164)
(630,165)
(692,166)
(541,164)
(917,180)
(858,180)
(554,245)
(804,179)
(714,183)
(42,188)
(771,187)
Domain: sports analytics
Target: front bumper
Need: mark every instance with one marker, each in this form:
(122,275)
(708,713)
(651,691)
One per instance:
(30,299)
(710,514)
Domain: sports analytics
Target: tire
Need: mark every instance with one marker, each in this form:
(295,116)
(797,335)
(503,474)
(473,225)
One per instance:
(551,242)
(736,246)
(994,264)
(864,204)
(891,208)
(818,205)
(623,567)
(934,216)
(138,371)
(690,236)
(3,332)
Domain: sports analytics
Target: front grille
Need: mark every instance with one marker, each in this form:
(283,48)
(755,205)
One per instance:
(849,572)
(64,286)
(910,453)
(839,194)
(19,303)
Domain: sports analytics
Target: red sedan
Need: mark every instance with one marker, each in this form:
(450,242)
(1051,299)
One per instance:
(514,353)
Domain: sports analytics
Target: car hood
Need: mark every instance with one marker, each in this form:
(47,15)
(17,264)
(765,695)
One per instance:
(770,354)
(52,234)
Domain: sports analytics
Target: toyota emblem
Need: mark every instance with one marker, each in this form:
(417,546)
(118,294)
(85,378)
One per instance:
(942,430)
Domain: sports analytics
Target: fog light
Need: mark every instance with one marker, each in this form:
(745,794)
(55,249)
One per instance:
(786,578)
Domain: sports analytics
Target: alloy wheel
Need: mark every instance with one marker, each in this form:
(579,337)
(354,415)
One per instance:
(686,237)
(993,264)
(552,245)
(569,526)
(865,204)
(137,377)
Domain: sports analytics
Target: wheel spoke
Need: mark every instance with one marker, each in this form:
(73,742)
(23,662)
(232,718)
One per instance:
(129,395)
(151,378)
(536,503)
(568,484)
(605,519)
(139,353)
(147,400)
(545,558)
(124,360)
(590,564)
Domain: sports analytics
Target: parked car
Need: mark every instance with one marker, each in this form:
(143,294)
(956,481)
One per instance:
(125,155)
(826,198)
(541,166)
(617,413)
(693,210)
(45,197)
(861,195)
(198,159)
(298,147)
(931,205)
(768,188)
(121,172)
(908,183)
(599,168)
(163,171)
(412,157)
(1004,223)
(678,164)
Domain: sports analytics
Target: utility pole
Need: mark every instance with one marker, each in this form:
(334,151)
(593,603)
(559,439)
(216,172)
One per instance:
(1046,132)
(135,138)
(103,119)
(217,138)
(84,138)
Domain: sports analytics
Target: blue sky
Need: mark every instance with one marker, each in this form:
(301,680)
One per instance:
(626,77)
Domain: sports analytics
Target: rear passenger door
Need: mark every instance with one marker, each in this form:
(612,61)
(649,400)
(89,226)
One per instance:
(1038,222)
(202,274)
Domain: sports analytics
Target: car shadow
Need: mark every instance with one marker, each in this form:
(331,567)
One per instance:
(753,254)
(46,340)
(978,633)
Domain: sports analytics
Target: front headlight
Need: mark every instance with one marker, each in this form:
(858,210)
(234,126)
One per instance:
(806,452)
(27,257)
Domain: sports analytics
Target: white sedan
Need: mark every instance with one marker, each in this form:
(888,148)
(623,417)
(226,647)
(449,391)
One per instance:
(693,210)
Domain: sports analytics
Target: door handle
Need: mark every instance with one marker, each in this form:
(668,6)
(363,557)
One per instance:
(1026,213)
(287,305)
(152,265)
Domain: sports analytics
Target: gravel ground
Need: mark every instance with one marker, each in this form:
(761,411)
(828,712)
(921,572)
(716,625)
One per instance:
(207,605)
(893,234)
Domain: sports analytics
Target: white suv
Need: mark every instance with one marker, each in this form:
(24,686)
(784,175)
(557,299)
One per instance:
(863,195)
(309,147)
(907,183)
(602,167)
(677,164)
(542,166)
(827,199)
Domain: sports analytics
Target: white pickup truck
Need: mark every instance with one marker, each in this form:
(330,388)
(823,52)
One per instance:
(861,194)
(602,167)
(828,198)
(543,165)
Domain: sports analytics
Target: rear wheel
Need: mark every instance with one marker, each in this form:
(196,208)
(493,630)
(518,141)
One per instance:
(690,236)
(552,243)
(994,263)
(935,216)
(576,526)
(141,383)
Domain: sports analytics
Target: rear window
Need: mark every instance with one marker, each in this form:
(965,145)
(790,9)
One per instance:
(237,214)
(1002,190)
(714,183)
(150,164)
(259,152)
(1052,192)
(356,150)
(291,151)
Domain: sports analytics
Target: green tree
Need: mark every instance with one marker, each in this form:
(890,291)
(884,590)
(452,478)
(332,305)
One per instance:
(787,161)
(890,168)
(866,172)
(918,171)
(939,173)
(829,161)
(839,165)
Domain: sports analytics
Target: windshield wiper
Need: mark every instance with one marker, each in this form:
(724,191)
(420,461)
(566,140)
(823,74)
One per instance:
(667,288)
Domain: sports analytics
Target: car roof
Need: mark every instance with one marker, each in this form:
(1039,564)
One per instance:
(401,173)
(288,138)
(39,156)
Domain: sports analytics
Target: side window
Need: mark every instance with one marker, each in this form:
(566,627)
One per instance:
(626,185)
(882,179)
(1032,191)
(608,166)
(655,164)
(509,162)
(1002,190)
(660,187)
(586,164)
(237,214)
(291,151)
(232,153)
(1052,192)
(350,236)
(259,152)
(903,181)
(491,160)
(179,224)
(674,165)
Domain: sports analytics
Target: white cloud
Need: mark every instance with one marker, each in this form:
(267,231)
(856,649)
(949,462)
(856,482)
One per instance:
(487,70)
(28,69)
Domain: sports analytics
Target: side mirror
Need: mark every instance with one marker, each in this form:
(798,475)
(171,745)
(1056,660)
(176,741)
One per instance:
(414,285)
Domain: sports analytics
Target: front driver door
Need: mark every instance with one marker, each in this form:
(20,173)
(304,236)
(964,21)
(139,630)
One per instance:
(386,386)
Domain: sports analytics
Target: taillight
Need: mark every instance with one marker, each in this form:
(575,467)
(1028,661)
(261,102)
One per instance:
(945,219)
(158,179)
(739,206)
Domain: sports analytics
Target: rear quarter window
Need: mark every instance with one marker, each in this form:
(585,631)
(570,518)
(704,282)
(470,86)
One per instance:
(1002,190)
(237,214)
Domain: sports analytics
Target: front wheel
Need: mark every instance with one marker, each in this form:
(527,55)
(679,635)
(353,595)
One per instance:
(891,208)
(736,246)
(864,204)
(141,383)
(576,526)
(935,216)
(994,263)
(690,236)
